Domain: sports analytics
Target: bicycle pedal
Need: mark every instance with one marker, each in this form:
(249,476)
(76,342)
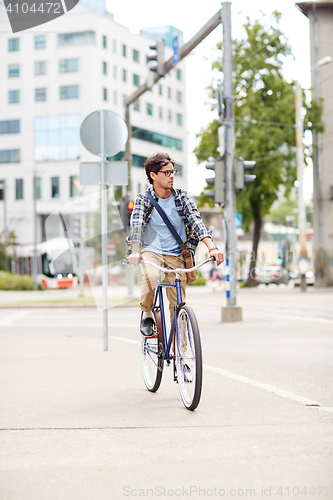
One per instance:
(168,362)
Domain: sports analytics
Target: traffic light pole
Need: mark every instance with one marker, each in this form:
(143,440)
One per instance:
(229,313)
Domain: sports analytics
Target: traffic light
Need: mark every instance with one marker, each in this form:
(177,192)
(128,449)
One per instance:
(76,228)
(218,181)
(126,209)
(241,178)
(158,57)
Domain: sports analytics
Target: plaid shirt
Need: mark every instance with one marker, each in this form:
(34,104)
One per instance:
(187,210)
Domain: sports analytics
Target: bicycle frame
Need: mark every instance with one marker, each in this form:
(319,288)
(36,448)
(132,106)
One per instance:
(159,303)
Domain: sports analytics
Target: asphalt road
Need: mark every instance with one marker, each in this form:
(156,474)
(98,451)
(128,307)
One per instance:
(77,422)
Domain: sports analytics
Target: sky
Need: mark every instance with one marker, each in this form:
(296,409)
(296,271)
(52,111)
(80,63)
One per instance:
(189,16)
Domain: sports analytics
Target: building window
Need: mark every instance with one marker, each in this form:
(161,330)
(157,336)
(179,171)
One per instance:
(136,105)
(55,187)
(149,109)
(10,127)
(139,161)
(105,94)
(179,96)
(57,137)
(13,44)
(124,50)
(105,68)
(68,65)
(115,72)
(115,97)
(72,189)
(178,74)
(10,156)
(136,80)
(179,119)
(160,89)
(40,68)
(13,71)
(38,187)
(40,42)
(104,42)
(169,93)
(135,55)
(79,38)
(154,137)
(14,96)
(179,170)
(19,189)
(40,94)
(69,92)
(160,113)
(124,75)
(169,115)
(114,46)
(2,188)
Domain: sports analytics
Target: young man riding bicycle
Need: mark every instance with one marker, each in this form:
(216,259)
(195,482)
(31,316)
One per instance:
(151,239)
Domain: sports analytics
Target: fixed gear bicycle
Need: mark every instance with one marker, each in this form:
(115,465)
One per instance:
(183,340)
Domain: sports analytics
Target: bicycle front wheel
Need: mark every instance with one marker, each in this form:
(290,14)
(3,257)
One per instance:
(188,358)
(152,357)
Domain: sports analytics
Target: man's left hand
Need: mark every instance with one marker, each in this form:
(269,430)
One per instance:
(219,257)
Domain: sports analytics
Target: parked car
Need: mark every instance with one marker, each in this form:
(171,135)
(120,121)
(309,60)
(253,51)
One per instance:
(272,274)
(296,279)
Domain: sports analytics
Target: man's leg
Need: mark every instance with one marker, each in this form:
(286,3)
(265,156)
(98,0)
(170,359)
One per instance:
(149,280)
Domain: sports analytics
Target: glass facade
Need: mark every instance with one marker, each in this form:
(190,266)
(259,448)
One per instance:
(10,156)
(40,68)
(40,94)
(13,96)
(13,44)
(154,137)
(13,71)
(69,92)
(68,65)
(55,187)
(57,137)
(40,42)
(136,80)
(78,38)
(10,127)
(19,189)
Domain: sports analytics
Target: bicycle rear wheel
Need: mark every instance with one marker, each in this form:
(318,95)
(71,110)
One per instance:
(152,356)
(188,358)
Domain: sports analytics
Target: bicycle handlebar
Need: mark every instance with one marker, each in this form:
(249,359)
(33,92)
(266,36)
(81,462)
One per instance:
(179,270)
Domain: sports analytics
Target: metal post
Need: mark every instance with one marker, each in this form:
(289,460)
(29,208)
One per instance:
(35,270)
(130,194)
(104,234)
(300,161)
(82,251)
(319,140)
(5,242)
(229,123)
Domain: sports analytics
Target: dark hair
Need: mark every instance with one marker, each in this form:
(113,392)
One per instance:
(155,162)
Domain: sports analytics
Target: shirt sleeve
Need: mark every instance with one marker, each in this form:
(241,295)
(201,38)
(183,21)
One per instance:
(137,222)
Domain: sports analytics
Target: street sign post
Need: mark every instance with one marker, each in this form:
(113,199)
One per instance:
(104,133)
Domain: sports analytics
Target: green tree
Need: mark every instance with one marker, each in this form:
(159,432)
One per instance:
(265,121)
(11,242)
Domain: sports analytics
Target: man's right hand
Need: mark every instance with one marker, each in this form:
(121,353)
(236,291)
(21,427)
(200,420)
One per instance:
(134,258)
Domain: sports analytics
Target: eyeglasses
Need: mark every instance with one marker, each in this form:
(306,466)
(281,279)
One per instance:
(168,173)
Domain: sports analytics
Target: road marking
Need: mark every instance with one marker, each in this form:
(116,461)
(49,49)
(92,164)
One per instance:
(115,325)
(10,319)
(254,383)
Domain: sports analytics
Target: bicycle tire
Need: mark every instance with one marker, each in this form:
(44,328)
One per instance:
(188,354)
(152,364)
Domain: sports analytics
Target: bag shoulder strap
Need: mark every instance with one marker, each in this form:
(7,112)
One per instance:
(168,223)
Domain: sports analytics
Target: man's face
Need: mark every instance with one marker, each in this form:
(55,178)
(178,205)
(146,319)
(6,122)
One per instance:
(161,180)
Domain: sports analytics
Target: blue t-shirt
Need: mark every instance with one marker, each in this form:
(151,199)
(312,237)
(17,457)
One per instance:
(157,236)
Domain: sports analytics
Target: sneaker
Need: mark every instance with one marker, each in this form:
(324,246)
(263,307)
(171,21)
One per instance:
(147,327)
(187,373)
